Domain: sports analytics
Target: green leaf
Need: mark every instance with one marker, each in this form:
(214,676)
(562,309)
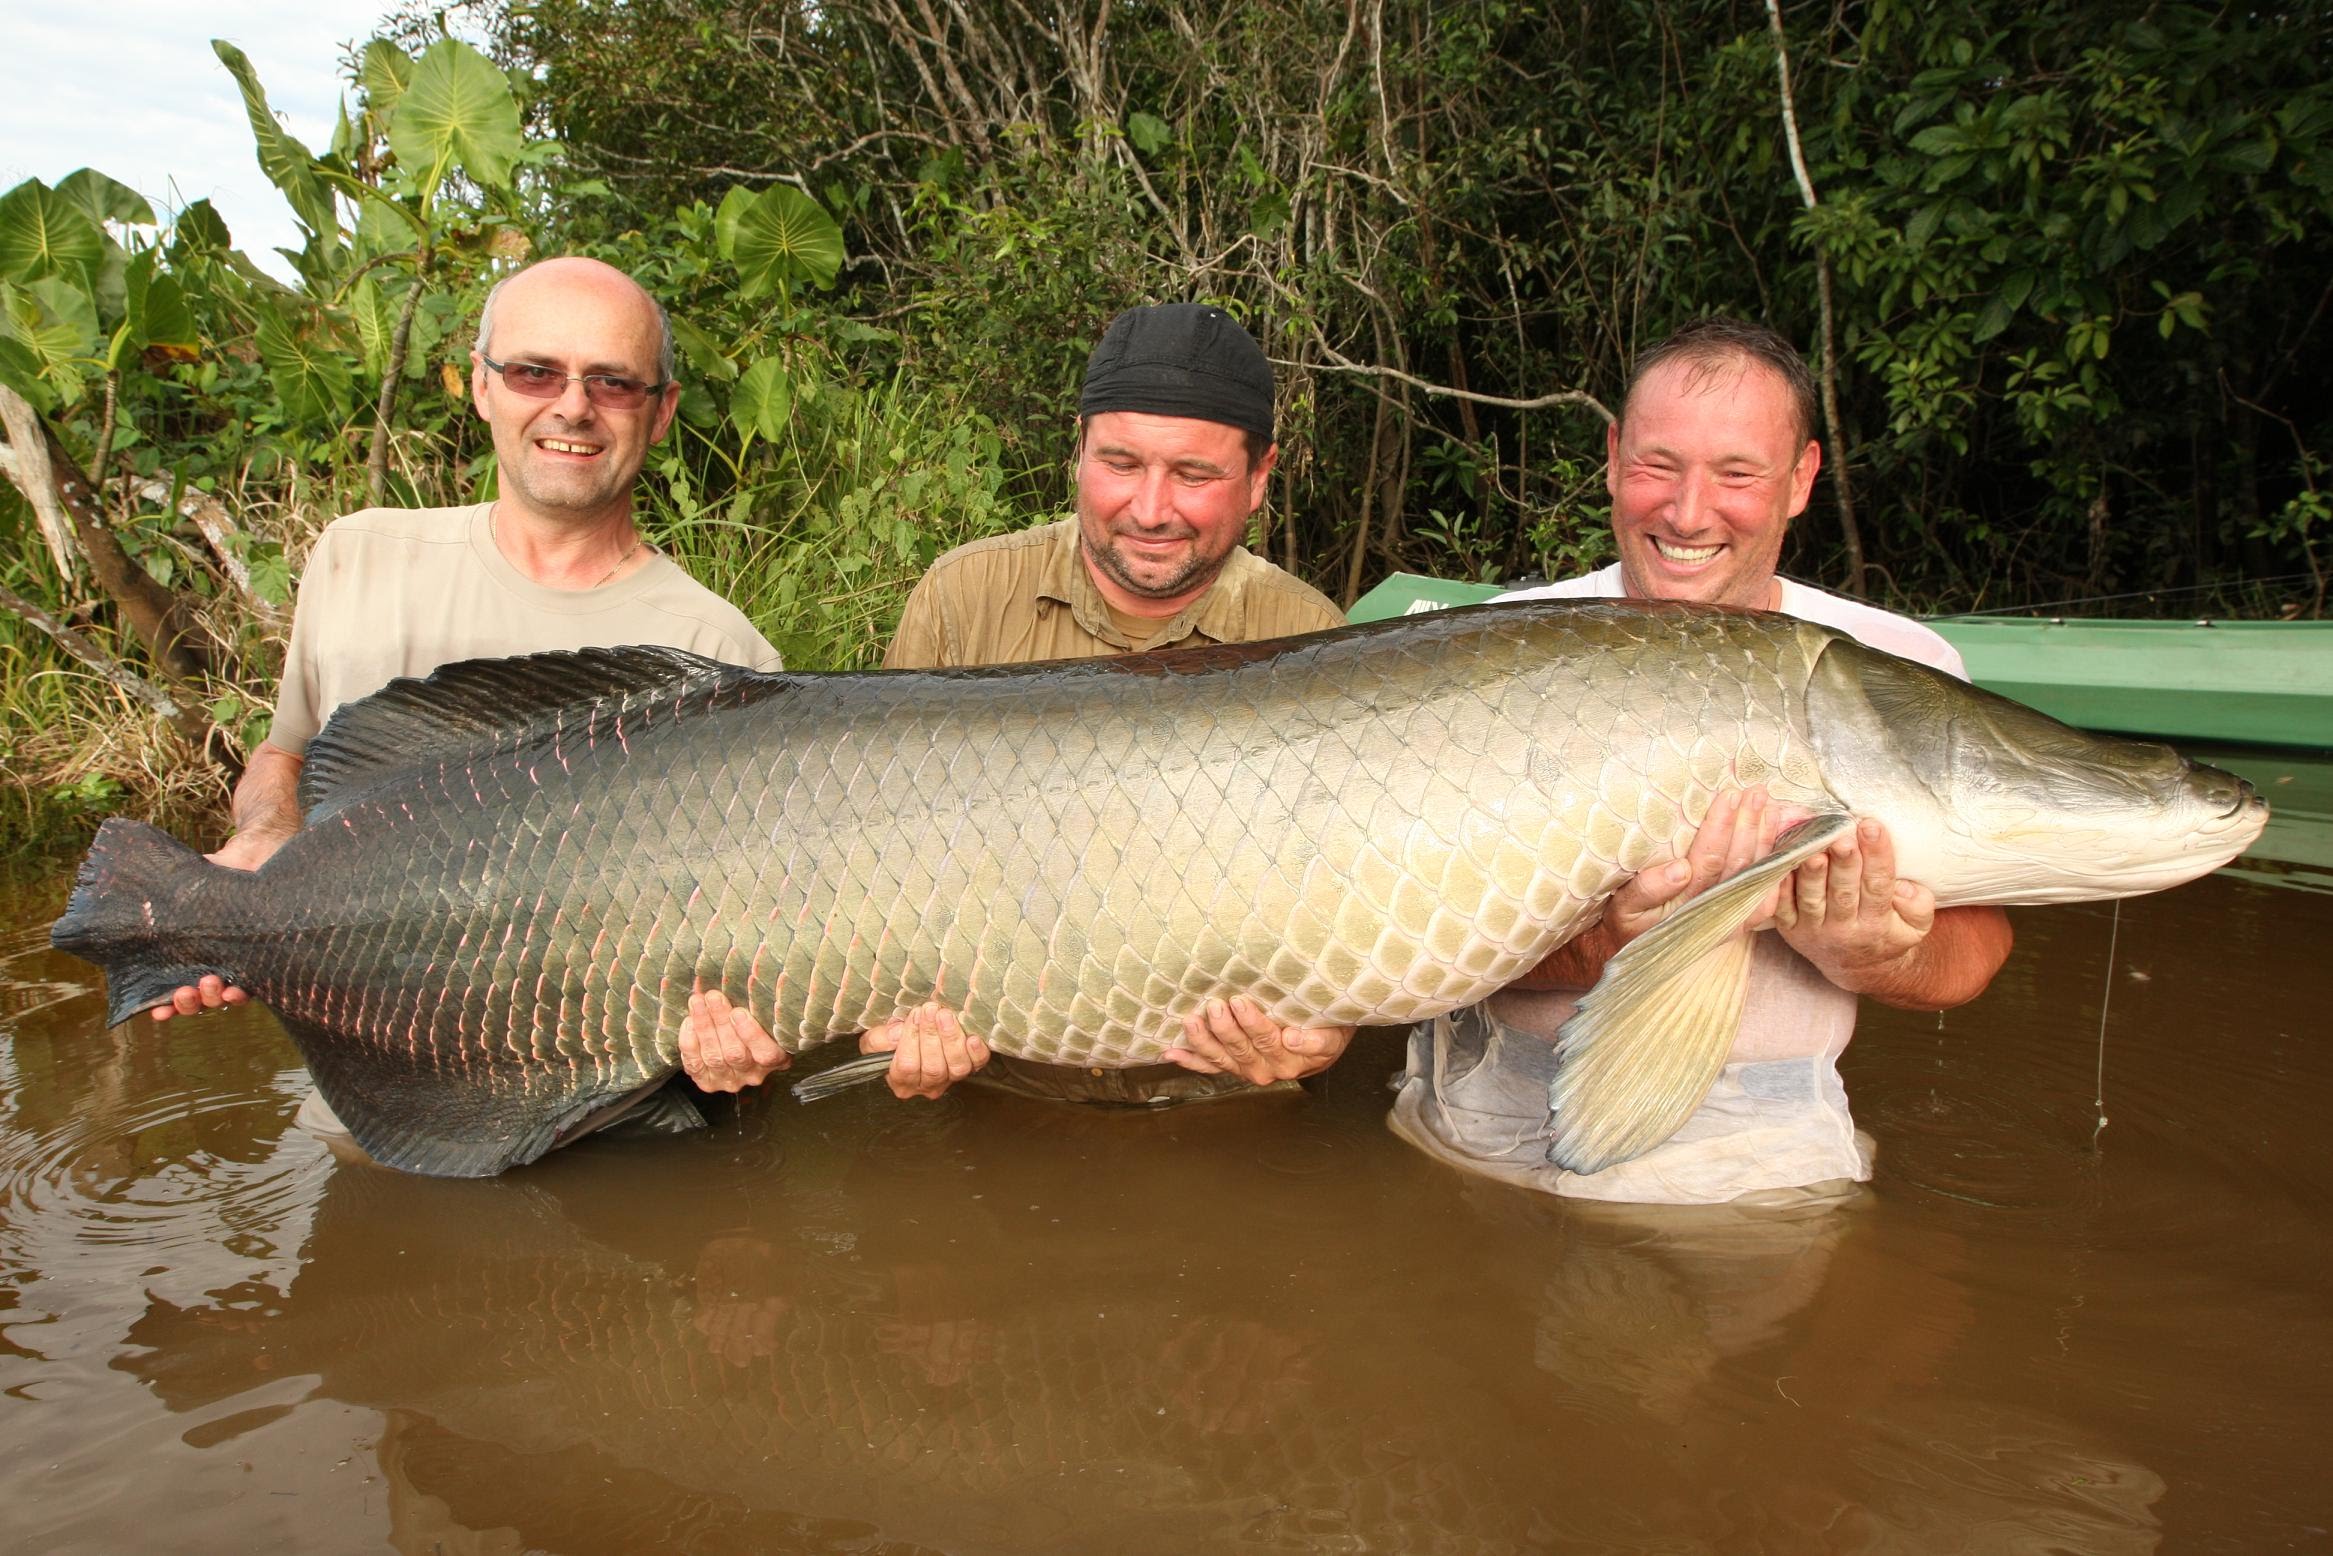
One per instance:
(384,70)
(271,575)
(1149,132)
(375,324)
(778,237)
(199,230)
(762,400)
(703,352)
(1940,140)
(20,370)
(456,111)
(158,317)
(1923,224)
(1993,320)
(311,379)
(42,233)
(105,200)
(288,164)
(58,319)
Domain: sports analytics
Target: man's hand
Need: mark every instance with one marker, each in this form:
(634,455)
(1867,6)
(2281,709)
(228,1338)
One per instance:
(1870,933)
(1235,1037)
(722,1048)
(929,1050)
(192,999)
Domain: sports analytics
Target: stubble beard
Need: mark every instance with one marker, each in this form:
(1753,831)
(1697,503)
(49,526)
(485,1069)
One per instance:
(1196,573)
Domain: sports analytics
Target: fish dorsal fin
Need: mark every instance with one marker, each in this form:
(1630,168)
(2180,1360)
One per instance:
(480,706)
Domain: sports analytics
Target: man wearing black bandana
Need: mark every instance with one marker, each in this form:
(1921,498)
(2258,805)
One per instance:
(1175,448)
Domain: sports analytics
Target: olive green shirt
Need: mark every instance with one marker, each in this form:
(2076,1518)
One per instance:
(1013,599)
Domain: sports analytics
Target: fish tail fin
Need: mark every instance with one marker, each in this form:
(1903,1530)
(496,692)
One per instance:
(125,915)
(841,1077)
(1649,1039)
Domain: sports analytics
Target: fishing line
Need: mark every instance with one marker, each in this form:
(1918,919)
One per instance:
(2105,999)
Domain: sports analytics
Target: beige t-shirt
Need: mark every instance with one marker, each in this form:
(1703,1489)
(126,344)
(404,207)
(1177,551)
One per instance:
(1014,599)
(399,591)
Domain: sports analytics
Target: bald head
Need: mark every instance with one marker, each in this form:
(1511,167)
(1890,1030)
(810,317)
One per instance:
(584,280)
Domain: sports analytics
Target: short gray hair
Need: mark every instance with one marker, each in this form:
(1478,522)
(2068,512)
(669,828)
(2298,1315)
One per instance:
(1719,341)
(666,362)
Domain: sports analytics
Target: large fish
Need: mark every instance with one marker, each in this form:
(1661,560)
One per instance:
(514,872)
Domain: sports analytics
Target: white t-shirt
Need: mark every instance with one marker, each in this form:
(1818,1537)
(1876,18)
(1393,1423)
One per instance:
(1867,624)
(1790,1010)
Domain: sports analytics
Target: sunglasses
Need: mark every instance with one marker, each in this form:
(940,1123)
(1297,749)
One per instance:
(604,390)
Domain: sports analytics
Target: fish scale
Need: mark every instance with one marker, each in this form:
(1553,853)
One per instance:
(516,872)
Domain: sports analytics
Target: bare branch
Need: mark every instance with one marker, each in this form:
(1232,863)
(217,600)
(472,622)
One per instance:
(1849,531)
(191,723)
(1338,363)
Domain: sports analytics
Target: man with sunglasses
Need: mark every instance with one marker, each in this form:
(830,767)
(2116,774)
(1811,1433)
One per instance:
(573,372)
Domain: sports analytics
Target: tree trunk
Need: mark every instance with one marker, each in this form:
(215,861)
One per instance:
(157,617)
(1849,531)
(377,457)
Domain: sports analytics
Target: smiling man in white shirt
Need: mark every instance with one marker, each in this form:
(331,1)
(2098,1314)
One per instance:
(1711,458)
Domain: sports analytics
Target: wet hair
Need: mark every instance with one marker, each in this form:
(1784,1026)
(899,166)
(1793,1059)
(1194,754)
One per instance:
(1707,346)
(665,359)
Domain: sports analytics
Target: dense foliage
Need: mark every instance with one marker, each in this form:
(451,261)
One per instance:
(2079,253)
(2076,262)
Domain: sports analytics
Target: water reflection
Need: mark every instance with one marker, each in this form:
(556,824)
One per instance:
(1003,1326)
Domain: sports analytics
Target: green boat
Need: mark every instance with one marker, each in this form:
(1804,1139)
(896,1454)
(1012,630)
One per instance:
(2248,682)
(2254,697)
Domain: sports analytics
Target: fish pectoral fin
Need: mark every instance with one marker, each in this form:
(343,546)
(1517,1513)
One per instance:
(842,1077)
(1646,1042)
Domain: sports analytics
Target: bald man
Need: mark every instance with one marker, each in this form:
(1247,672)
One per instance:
(573,371)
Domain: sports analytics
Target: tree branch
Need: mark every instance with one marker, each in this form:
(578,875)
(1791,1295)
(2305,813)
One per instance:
(1849,531)
(1338,363)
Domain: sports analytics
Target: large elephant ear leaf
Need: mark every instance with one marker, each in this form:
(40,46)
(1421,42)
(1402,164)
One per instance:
(780,237)
(289,165)
(43,233)
(106,200)
(386,70)
(309,376)
(762,399)
(456,111)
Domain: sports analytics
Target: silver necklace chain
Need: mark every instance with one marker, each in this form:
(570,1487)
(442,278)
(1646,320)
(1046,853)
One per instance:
(638,540)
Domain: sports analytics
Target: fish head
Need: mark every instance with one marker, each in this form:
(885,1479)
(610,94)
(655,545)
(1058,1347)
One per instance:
(1988,800)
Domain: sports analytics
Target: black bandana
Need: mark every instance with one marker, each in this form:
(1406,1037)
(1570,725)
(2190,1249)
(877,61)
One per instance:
(1181,359)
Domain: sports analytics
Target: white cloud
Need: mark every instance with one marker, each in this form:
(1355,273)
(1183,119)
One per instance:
(132,89)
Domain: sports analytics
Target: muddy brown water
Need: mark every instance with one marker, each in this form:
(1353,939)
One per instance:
(1002,1326)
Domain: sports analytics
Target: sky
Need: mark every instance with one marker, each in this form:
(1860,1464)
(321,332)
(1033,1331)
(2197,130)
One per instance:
(132,89)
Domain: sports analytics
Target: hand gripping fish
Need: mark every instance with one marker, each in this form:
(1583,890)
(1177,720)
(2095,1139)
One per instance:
(514,872)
